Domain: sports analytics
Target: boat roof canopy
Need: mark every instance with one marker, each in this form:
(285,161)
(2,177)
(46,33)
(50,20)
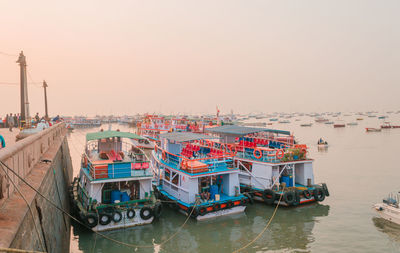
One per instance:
(242,130)
(111,134)
(185,136)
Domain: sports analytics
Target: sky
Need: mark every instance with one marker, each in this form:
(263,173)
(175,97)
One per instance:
(183,56)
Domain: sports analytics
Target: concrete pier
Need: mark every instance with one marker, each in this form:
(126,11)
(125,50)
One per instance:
(44,161)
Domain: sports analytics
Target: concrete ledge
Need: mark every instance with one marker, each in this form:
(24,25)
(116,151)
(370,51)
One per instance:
(17,228)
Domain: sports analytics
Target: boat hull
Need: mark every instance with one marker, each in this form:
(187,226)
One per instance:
(388,212)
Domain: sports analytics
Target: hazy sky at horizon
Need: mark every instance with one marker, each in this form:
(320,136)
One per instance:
(124,57)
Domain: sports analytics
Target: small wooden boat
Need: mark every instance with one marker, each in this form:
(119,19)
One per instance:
(338,125)
(306,125)
(372,129)
(352,124)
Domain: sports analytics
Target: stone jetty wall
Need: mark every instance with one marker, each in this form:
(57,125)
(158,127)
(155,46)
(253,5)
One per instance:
(44,161)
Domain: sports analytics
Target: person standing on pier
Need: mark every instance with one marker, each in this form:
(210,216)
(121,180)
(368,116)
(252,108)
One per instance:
(10,122)
(6,121)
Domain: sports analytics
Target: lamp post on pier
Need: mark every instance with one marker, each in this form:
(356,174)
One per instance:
(45,99)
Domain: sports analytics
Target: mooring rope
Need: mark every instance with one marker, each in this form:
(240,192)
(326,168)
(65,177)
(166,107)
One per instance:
(29,207)
(102,235)
(264,229)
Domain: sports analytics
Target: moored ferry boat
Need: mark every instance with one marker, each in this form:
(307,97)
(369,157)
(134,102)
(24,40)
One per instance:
(114,188)
(389,208)
(197,179)
(271,165)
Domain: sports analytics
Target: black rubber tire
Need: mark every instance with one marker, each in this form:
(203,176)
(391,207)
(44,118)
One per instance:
(268,196)
(325,188)
(130,213)
(217,207)
(91,220)
(202,210)
(116,216)
(289,198)
(143,215)
(297,198)
(307,194)
(104,219)
(157,210)
(249,197)
(319,194)
(229,204)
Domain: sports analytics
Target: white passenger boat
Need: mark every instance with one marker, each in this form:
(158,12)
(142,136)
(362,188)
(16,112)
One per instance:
(271,165)
(198,179)
(114,188)
(389,208)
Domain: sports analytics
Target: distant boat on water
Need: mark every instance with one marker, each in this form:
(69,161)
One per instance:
(372,129)
(352,124)
(306,125)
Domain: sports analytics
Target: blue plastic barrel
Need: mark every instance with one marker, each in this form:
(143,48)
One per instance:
(213,191)
(286,180)
(115,195)
(125,197)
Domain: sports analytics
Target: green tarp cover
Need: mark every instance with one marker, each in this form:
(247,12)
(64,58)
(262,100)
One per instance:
(110,134)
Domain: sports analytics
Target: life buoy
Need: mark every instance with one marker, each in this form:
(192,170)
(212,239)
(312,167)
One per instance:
(307,194)
(146,213)
(157,210)
(105,219)
(130,213)
(233,151)
(164,155)
(116,216)
(255,153)
(279,154)
(268,196)
(319,194)
(91,220)
(289,197)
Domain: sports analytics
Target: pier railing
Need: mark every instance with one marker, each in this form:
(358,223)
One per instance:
(23,155)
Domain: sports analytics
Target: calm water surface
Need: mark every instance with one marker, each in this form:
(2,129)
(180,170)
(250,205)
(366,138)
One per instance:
(359,168)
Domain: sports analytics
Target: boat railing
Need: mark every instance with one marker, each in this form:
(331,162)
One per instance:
(137,166)
(211,163)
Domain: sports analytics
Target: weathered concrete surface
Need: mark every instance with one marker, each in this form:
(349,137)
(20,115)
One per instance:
(17,228)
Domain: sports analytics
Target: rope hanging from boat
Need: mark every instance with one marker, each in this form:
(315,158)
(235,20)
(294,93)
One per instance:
(265,228)
(42,245)
(97,233)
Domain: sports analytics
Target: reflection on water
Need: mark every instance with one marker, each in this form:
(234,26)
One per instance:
(292,228)
(387,227)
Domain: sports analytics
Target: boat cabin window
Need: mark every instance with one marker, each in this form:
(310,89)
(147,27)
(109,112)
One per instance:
(115,192)
(175,178)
